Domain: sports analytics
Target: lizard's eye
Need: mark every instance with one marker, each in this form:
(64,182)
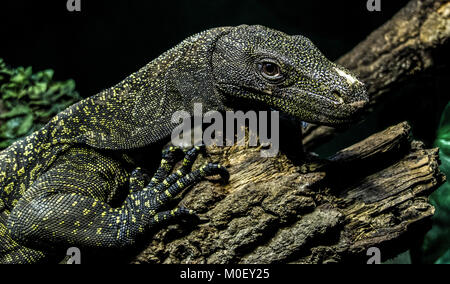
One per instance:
(270,70)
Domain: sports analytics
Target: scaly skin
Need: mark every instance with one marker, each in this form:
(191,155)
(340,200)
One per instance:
(57,185)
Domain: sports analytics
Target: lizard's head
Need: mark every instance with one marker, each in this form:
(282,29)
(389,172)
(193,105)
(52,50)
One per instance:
(286,73)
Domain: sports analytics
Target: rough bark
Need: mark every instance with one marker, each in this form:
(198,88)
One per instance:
(372,194)
(411,43)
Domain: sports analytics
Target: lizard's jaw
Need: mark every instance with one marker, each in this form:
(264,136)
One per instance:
(305,105)
(319,109)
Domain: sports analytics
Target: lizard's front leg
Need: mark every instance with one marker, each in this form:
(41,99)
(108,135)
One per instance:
(67,207)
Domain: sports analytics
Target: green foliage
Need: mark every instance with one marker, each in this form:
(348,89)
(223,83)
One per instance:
(436,247)
(30,100)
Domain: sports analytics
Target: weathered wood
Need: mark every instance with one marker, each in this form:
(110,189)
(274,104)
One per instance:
(373,193)
(411,43)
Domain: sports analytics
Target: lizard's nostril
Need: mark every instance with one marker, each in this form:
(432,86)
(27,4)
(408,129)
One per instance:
(337,96)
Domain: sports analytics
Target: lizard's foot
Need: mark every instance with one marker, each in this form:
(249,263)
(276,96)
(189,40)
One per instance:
(163,187)
(179,181)
(184,177)
(170,156)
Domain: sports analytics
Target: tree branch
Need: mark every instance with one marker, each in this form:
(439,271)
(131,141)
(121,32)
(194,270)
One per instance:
(373,193)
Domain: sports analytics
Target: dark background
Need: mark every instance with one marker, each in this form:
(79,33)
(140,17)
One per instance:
(107,41)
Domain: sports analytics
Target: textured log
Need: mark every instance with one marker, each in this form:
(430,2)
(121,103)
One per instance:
(411,43)
(373,193)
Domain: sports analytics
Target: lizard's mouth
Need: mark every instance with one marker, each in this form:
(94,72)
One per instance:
(331,110)
(310,107)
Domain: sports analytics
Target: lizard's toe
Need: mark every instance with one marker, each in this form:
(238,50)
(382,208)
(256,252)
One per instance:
(214,169)
(172,153)
(178,213)
(138,179)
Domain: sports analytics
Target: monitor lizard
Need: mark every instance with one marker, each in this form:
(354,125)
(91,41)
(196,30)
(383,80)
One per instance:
(57,185)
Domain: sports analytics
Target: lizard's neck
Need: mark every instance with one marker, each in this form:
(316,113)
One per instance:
(138,111)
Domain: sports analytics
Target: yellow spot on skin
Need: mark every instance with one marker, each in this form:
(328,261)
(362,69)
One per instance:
(23,188)
(99,231)
(8,189)
(21,171)
(2,231)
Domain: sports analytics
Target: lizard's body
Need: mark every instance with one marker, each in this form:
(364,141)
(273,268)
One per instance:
(56,185)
